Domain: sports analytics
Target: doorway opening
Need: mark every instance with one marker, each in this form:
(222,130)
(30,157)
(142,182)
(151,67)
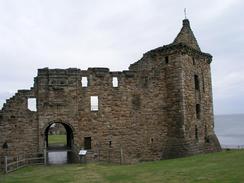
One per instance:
(59,142)
(58,136)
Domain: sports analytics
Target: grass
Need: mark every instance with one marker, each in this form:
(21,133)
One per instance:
(223,167)
(57,139)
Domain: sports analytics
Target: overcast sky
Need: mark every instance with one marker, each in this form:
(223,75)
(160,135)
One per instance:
(116,33)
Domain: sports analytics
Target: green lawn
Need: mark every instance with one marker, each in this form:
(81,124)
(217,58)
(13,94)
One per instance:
(220,167)
(57,139)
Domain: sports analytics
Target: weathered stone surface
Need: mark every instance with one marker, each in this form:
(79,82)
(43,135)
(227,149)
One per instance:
(186,36)
(151,115)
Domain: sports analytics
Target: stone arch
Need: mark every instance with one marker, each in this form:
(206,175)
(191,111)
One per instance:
(69,132)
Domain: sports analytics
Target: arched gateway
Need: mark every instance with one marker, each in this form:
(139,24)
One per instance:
(160,108)
(59,150)
(69,133)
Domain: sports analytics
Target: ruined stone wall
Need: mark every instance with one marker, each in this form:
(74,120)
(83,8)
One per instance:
(18,125)
(132,116)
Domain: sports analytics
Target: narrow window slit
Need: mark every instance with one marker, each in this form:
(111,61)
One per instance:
(198,111)
(196,81)
(166,59)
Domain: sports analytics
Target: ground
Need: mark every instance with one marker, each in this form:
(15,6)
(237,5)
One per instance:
(227,166)
(56,139)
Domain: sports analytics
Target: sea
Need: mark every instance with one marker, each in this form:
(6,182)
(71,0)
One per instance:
(230,130)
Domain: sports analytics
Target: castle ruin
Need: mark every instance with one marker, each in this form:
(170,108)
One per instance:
(160,108)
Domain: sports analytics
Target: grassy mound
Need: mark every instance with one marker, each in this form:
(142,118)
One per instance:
(221,167)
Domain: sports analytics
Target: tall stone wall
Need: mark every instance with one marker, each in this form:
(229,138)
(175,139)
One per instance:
(130,116)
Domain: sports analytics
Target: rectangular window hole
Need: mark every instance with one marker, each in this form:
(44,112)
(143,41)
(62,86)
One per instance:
(115,82)
(166,59)
(87,143)
(196,80)
(84,81)
(198,111)
(31,104)
(94,103)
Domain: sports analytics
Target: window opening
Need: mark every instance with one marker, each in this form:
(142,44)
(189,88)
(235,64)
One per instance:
(115,82)
(31,104)
(94,103)
(206,135)
(5,145)
(62,82)
(166,59)
(84,82)
(87,143)
(196,80)
(198,111)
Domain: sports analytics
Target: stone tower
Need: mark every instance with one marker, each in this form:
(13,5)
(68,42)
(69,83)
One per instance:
(188,105)
(160,108)
(196,124)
